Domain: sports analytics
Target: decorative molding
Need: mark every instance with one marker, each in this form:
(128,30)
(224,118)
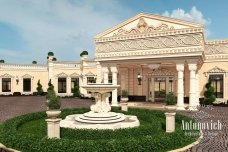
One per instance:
(150,43)
(142,27)
(73,75)
(162,72)
(217,48)
(27,76)
(144,53)
(6,75)
(23,66)
(89,74)
(147,35)
(62,75)
(216,57)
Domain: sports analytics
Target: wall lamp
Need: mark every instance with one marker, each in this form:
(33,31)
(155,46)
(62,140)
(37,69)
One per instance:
(139,77)
(17,80)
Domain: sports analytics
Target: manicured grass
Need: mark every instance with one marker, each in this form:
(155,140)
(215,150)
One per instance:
(28,133)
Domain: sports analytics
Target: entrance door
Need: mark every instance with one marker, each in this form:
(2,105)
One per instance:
(27,85)
(159,89)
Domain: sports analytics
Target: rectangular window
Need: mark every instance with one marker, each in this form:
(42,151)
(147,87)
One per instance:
(74,82)
(91,80)
(27,85)
(6,84)
(110,78)
(61,85)
(217,83)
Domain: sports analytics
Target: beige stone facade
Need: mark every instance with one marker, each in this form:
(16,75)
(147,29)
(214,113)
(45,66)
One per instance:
(166,54)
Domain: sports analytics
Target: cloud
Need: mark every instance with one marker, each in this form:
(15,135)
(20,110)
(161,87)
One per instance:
(193,15)
(66,27)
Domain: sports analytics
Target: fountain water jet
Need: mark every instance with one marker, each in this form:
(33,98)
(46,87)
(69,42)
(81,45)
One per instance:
(100,116)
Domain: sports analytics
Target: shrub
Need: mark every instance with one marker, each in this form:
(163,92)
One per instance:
(54,59)
(209,94)
(34,62)
(50,54)
(150,136)
(124,93)
(170,99)
(83,53)
(39,88)
(76,91)
(2,61)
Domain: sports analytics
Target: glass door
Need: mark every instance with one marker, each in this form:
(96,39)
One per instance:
(159,88)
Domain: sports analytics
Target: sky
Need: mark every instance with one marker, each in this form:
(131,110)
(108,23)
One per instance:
(31,28)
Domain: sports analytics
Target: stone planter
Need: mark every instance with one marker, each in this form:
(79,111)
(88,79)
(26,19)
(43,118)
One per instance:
(170,108)
(53,114)
(124,99)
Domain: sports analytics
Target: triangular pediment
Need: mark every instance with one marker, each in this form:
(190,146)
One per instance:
(62,75)
(147,23)
(6,75)
(216,70)
(89,74)
(74,75)
(26,76)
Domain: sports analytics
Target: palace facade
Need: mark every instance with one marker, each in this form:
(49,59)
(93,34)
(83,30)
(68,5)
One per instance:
(147,55)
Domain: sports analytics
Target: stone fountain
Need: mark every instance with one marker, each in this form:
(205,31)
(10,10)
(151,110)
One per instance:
(100,116)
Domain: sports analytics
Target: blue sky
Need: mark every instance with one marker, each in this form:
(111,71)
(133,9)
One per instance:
(30,28)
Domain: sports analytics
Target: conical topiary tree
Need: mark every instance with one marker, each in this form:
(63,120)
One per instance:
(53,101)
(209,94)
(39,88)
(76,91)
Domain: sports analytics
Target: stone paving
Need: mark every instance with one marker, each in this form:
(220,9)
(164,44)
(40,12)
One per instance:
(213,141)
(15,106)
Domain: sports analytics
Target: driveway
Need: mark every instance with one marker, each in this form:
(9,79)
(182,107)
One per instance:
(15,106)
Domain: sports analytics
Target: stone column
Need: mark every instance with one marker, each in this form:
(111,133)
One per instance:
(114,82)
(192,90)
(68,86)
(105,72)
(152,90)
(1,85)
(167,85)
(99,72)
(53,128)
(170,121)
(197,89)
(180,85)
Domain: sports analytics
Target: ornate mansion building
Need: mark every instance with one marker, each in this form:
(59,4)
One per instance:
(147,55)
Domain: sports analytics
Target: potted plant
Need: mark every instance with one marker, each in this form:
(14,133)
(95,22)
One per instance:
(84,53)
(76,91)
(171,101)
(50,54)
(53,102)
(2,61)
(124,96)
(34,62)
(209,94)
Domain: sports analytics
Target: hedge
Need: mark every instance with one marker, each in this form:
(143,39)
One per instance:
(150,136)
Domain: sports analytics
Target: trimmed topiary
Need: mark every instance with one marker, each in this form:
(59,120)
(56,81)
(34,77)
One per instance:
(209,94)
(50,54)
(39,88)
(34,62)
(2,61)
(170,99)
(83,53)
(53,102)
(124,93)
(76,91)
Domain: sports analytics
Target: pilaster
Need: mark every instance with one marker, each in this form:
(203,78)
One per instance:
(180,85)
(114,82)
(192,90)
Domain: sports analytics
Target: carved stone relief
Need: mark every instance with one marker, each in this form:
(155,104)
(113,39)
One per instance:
(63,75)
(142,27)
(216,48)
(150,43)
(6,75)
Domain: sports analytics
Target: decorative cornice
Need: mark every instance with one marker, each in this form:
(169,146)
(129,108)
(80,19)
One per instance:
(216,57)
(216,70)
(27,76)
(216,48)
(61,75)
(216,41)
(154,34)
(6,75)
(23,66)
(66,65)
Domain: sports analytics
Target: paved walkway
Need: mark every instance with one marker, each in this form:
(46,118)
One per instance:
(213,141)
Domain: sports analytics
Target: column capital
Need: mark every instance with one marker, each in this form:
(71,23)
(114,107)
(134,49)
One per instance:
(105,70)
(192,66)
(114,69)
(180,67)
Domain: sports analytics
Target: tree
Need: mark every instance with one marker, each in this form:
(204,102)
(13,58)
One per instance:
(84,53)
(2,61)
(39,88)
(50,54)
(209,94)
(53,101)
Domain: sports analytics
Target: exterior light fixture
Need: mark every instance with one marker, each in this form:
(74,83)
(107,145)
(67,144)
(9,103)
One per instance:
(139,77)
(17,80)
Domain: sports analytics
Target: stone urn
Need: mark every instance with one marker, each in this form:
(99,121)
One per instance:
(53,114)
(171,108)
(124,99)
